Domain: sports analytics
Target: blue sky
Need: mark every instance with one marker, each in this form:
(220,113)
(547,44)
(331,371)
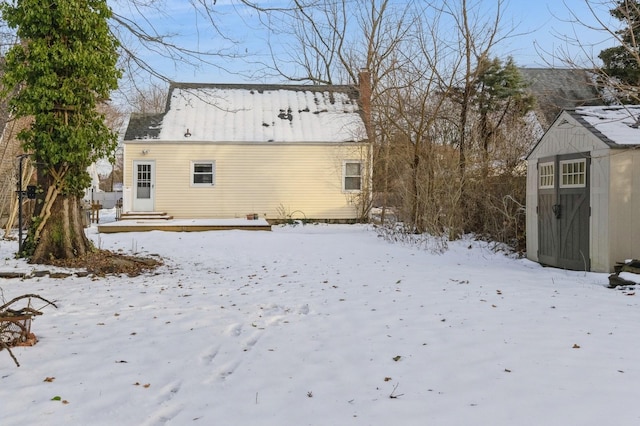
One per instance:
(538,29)
(544,23)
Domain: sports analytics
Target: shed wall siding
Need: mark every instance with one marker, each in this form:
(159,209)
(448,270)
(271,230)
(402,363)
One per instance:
(532,210)
(271,180)
(625,203)
(600,230)
(566,138)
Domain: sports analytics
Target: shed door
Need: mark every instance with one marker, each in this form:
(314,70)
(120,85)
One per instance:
(563,211)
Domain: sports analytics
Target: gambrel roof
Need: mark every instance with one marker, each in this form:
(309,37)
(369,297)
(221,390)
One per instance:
(236,113)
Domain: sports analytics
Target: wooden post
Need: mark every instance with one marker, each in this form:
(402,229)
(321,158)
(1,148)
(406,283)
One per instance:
(95,212)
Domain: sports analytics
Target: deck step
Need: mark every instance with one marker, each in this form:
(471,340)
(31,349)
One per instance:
(145,216)
(185,225)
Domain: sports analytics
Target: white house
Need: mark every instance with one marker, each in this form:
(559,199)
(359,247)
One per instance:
(583,189)
(225,151)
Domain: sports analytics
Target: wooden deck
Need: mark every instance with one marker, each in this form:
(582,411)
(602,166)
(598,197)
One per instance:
(183,225)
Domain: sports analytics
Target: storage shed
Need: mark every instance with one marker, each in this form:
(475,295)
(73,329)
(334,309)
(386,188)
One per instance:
(583,189)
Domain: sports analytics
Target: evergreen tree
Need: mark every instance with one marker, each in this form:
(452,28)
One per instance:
(622,61)
(64,66)
(500,90)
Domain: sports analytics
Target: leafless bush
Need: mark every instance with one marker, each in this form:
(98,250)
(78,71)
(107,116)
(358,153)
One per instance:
(400,233)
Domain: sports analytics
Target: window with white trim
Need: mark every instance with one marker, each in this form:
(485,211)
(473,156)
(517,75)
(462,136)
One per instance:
(352,176)
(546,173)
(203,173)
(573,173)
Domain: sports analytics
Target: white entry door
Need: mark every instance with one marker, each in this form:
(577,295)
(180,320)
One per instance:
(144,176)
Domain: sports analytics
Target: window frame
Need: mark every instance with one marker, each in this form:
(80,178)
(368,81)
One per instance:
(547,180)
(580,174)
(192,174)
(360,176)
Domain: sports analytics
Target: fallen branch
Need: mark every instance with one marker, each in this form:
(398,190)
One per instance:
(24,296)
(4,346)
(15,324)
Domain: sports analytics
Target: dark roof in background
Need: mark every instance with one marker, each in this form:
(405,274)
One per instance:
(556,89)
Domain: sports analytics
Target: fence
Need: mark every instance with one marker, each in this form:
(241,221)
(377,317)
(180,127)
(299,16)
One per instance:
(107,199)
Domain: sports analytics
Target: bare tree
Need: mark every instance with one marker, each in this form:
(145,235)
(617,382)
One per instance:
(426,64)
(151,99)
(329,42)
(616,68)
(141,36)
(424,60)
(411,104)
(477,37)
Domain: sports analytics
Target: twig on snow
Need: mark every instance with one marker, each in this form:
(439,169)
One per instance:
(4,346)
(393,394)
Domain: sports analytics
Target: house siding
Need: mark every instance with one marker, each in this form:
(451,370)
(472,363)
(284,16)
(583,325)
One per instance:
(270,179)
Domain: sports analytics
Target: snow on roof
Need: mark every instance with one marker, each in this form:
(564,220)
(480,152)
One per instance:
(619,124)
(258,113)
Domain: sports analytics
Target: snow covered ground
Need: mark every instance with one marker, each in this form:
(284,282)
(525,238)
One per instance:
(322,325)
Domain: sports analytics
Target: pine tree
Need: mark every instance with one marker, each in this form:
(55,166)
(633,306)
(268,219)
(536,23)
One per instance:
(63,68)
(622,61)
(500,90)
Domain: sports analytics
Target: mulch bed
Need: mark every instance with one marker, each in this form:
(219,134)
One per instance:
(105,262)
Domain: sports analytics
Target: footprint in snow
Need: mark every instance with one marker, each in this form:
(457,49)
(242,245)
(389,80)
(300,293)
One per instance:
(304,309)
(209,354)
(234,330)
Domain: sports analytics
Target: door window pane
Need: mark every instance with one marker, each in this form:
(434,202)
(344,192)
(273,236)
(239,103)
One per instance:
(143,185)
(546,172)
(573,173)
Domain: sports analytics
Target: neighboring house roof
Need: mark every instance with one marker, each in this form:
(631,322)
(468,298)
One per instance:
(556,89)
(254,113)
(143,126)
(618,126)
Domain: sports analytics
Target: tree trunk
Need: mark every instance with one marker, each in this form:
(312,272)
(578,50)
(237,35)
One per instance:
(416,211)
(62,236)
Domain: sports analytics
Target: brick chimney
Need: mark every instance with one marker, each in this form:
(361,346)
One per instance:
(364,83)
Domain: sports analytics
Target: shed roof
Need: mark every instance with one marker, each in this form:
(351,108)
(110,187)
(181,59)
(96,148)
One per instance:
(254,113)
(618,126)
